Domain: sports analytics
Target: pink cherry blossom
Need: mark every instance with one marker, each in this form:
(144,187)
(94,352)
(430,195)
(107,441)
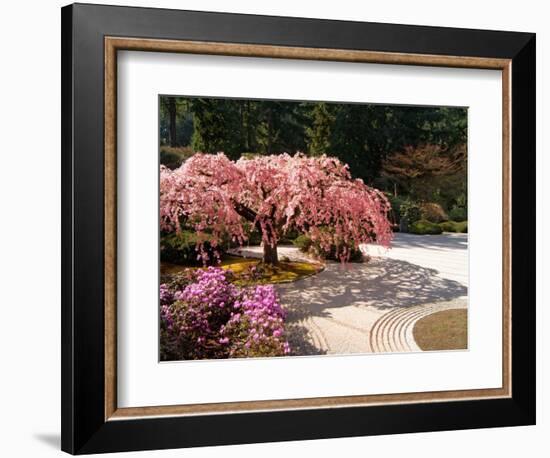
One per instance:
(273,194)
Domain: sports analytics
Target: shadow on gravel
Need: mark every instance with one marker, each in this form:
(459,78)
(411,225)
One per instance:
(383,283)
(300,342)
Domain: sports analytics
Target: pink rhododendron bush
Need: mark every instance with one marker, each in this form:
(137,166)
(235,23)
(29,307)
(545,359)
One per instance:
(274,194)
(204,316)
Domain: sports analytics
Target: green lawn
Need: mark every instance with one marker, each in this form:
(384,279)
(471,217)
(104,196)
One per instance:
(446,330)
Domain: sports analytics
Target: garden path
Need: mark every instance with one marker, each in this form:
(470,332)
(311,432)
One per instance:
(372,307)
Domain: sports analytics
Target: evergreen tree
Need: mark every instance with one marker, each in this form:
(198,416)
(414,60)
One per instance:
(216,127)
(319,133)
(360,135)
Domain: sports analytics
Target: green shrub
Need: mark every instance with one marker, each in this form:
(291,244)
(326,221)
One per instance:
(173,156)
(254,238)
(454,226)
(448,226)
(306,245)
(303,243)
(458,214)
(170,160)
(182,248)
(433,212)
(423,227)
(463,227)
(317,250)
(395,213)
(289,236)
(410,212)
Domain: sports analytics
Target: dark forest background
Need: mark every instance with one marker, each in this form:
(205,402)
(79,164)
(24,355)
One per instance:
(413,153)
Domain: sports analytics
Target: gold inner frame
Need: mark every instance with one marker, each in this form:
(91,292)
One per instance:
(114,44)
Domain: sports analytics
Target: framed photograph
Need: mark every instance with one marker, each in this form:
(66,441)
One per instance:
(282,228)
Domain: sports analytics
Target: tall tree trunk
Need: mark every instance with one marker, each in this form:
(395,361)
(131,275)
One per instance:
(242,127)
(249,147)
(172,116)
(269,129)
(270,253)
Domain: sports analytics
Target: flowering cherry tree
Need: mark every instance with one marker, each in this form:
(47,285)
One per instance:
(273,194)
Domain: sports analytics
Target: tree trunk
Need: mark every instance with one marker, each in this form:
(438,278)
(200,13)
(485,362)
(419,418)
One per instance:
(242,129)
(249,147)
(269,128)
(172,123)
(270,253)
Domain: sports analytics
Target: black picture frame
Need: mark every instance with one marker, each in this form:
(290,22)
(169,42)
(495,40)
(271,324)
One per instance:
(84,429)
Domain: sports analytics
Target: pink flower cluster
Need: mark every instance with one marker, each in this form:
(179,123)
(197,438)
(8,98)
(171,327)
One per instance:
(208,317)
(258,313)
